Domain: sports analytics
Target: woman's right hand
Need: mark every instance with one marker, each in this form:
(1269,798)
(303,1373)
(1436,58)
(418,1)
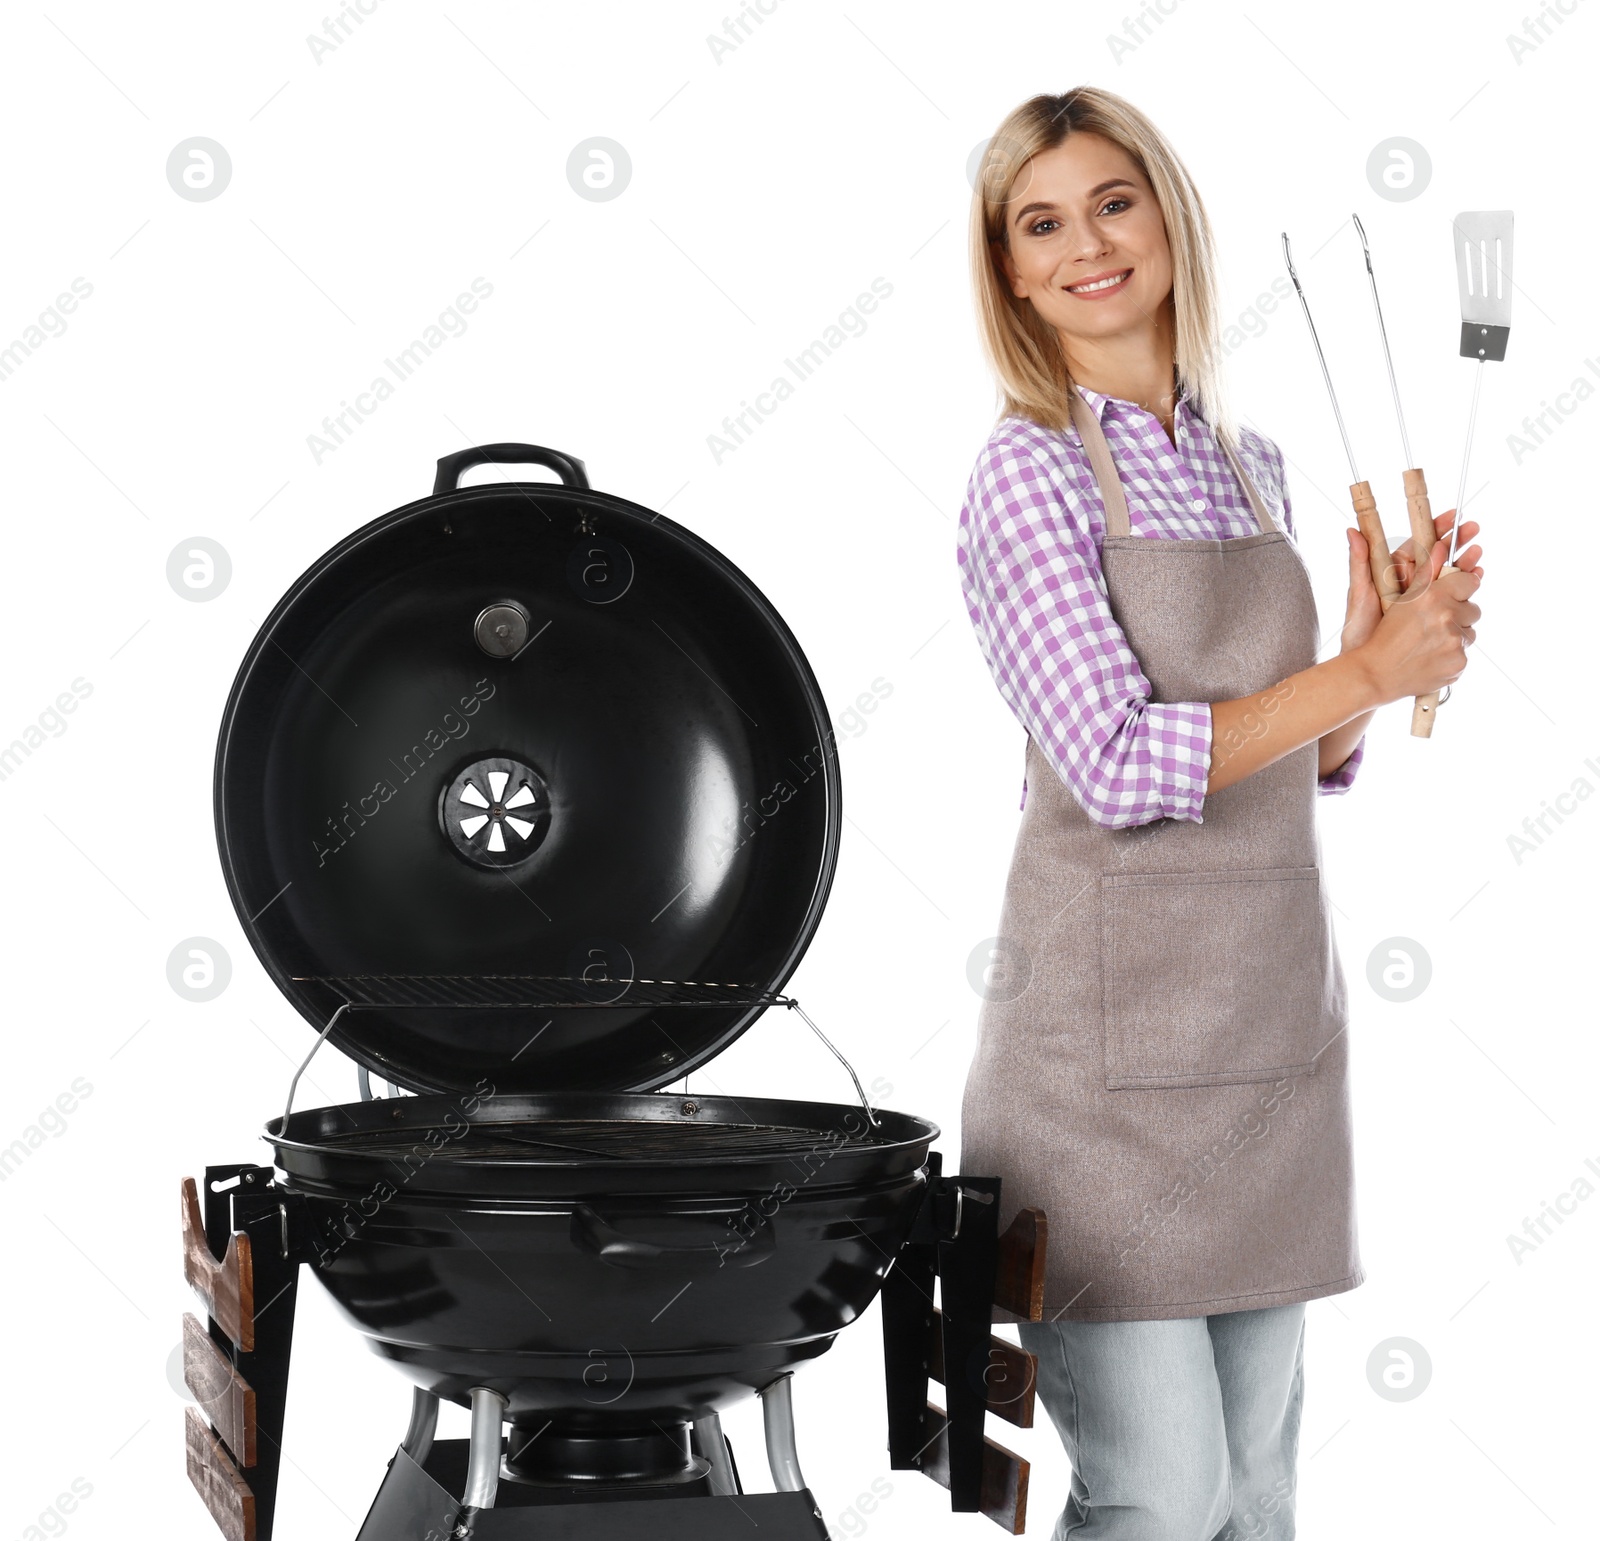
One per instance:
(1421,644)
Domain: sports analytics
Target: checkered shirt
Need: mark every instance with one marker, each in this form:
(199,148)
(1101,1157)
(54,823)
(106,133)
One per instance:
(1029,552)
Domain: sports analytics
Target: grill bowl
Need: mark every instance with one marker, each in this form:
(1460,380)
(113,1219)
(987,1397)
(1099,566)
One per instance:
(655,1257)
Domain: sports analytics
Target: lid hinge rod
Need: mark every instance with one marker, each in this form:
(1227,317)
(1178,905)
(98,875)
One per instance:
(872,1118)
(322,1038)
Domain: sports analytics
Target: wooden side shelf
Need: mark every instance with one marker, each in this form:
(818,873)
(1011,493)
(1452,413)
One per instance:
(1004,1494)
(220,1390)
(1019,1273)
(227,1287)
(225,1493)
(1009,1376)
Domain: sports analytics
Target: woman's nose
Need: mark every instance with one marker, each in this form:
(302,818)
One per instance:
(1087,241)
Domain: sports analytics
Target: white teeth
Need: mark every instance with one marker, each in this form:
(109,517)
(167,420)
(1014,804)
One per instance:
(1105,283)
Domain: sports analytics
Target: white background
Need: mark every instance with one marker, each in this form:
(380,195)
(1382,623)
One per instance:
(768,190)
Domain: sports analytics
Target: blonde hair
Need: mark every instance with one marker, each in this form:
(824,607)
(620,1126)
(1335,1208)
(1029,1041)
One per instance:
(1024,349)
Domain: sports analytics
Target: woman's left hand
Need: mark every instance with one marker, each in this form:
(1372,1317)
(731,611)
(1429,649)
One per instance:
(1363,610)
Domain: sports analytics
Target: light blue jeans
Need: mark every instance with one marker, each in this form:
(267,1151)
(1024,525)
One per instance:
(1177,1430)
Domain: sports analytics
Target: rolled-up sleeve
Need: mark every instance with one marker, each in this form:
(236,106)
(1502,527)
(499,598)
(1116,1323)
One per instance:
(1036,595)
(1342,777)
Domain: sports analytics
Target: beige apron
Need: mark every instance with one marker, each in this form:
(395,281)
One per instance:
(1169,1086)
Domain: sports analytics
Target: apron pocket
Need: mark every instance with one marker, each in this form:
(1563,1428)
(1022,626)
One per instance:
(1216,978)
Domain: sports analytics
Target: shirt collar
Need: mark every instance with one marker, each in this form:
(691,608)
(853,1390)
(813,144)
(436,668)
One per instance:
(1184,411)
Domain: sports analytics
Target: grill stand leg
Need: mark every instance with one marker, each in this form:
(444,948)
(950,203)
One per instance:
(713,1445)
(483,1461)
(967,1261)
(424,1422)
(777,1414)
(907,1307)
(954,1239)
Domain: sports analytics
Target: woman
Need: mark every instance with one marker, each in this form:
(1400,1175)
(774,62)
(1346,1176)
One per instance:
(1162,1067)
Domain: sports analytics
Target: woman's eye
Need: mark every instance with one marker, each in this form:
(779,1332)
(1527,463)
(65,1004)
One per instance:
(1113,205)
(1042,227)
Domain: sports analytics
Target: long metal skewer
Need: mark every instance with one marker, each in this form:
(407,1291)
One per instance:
(1419,510)
(1305,309)
(1377,309)
(1361,499)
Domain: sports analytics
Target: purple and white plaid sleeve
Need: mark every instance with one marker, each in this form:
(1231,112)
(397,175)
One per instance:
(1029,554)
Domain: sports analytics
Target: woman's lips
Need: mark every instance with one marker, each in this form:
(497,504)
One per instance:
(1101,285)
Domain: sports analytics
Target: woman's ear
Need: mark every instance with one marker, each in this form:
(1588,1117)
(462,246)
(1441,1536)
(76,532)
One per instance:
(1002,257)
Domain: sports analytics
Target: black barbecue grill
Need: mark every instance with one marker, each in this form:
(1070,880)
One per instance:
(527,800)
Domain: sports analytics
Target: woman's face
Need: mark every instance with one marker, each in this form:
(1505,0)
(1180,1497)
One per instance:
(1087,243)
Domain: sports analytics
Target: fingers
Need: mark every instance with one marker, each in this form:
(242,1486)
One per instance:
(1363,590)
(1420,575)
(1442,523)
(1461,583)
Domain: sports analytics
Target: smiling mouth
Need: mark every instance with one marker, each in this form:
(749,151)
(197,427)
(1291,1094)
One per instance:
(1099,285)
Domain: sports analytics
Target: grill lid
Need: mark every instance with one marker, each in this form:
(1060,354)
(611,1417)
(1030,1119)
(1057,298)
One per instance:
(529,786)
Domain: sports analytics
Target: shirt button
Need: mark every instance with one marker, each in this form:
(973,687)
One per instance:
(1199,505)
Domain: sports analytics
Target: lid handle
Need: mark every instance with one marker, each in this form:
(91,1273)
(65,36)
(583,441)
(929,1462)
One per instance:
(568,467)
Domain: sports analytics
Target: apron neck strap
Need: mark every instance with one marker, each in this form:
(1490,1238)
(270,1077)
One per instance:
(1085,420)
(1101,463)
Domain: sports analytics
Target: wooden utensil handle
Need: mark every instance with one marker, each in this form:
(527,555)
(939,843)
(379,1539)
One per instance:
(1420,513)
(1384,577)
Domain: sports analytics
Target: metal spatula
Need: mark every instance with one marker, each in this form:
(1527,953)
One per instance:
(1483,275)
(1482,240)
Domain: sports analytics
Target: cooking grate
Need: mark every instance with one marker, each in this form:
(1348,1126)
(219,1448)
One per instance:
(395,992)
(620,1139)
(399,992)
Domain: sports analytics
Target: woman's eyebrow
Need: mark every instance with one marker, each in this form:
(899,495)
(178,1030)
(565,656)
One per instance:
(1094,192)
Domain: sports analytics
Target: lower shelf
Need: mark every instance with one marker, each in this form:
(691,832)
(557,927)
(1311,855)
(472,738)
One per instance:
(419,1503)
